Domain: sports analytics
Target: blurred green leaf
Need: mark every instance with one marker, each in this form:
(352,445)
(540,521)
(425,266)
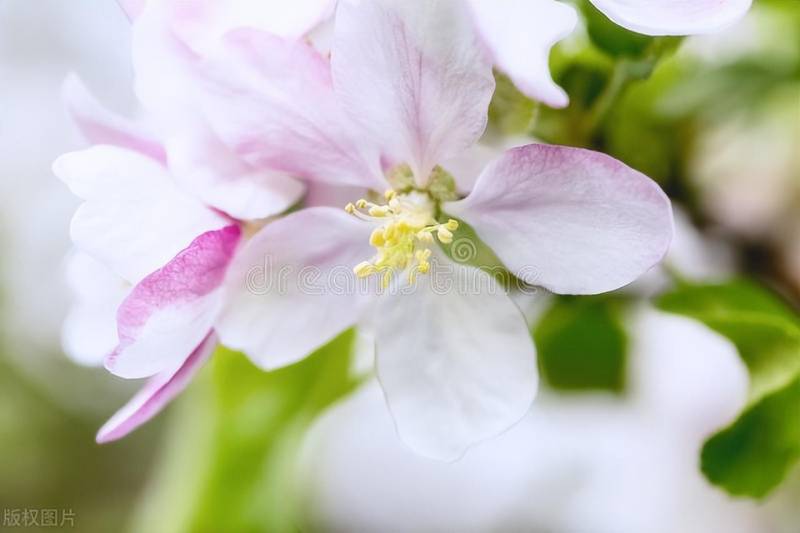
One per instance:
(752,455)
(582,344)
(510,111)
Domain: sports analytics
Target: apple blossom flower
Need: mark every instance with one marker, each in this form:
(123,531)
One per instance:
(674,17)
(407,88)
(150,264)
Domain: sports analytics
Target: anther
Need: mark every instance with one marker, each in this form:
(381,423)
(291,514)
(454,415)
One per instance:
(364,269)
(377,238)
(444,234)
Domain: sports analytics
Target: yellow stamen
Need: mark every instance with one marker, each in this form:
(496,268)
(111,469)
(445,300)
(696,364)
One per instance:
(377,239)
(378,211)
(404,237)
(444,234)
(364,269)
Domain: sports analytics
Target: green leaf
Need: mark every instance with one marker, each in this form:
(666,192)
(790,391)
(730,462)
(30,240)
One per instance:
(248,427)
(753,455)
(582,344)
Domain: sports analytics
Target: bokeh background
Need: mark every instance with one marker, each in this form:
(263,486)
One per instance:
(631,392)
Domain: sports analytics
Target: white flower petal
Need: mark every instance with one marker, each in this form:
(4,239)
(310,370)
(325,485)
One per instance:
(100,126)
(272,101)
(520,34)
(202,164)
(415,75)
(134,219)
(457,363)
(168,86)
(674,17)
(89,333)
(292,288)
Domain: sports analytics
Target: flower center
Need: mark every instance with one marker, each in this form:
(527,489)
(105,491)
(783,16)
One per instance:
(404,237)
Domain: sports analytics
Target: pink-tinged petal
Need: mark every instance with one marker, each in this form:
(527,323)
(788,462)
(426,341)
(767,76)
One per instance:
(167,85)
(218,177)
(326,195)
(90,328)
(99,126)
(202,22)
(571,220)
(156,394)
(132,8)
(291,288)
(272,101)
(171,310)
(468,165)
(160,63)
(415,75)
(520,34)
(455,359)
(134,218)
(674,17)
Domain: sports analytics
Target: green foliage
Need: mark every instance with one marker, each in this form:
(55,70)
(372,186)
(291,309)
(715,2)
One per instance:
(595,79)
(248,433)
(582,344)
(754,454)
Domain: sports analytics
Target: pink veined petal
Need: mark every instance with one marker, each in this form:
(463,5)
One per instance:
(135,218)
(520,34)
(171,310)
(89,332)
(156,394)
(291,288)
(455,359)
(414,75)
(571,220)
(100,126)
(674,17)
(272,101)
